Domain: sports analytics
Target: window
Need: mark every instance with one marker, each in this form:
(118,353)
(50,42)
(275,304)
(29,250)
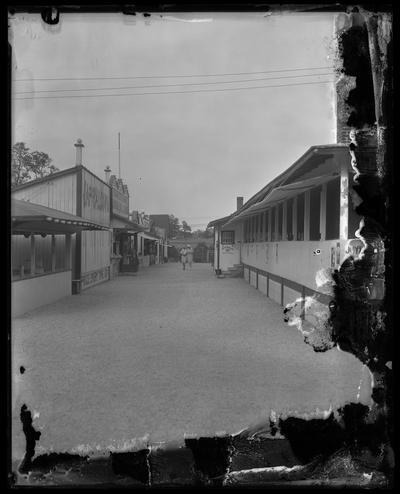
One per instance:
(289,219)
(227,237)
(315,207)
(333,209)
(280,220)
(273,237)
(300,217)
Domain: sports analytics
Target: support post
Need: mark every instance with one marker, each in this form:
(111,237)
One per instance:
(53,253)
(294,221)
(322,213)
(33,255)
(307,215)
(284,221)
(68,251)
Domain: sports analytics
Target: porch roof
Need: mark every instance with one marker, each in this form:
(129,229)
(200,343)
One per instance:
(27,217)
(149,236)
(281,193)
(126,225)
(218,221)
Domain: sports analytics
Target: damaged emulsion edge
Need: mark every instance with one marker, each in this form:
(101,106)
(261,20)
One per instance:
(333,444)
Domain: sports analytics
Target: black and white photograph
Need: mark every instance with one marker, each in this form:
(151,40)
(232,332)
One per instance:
(200,247)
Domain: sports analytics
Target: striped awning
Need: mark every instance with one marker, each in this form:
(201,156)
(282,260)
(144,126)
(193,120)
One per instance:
(27,217)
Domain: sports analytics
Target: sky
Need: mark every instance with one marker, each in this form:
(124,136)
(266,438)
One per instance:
(191,154)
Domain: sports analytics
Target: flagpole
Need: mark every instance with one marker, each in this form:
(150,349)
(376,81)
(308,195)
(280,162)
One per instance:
(119,155)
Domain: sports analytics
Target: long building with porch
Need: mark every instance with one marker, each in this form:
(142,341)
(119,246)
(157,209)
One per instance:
(299,223)
(41,259)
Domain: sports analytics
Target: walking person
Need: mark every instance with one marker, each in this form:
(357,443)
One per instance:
(189,255)
(184,254)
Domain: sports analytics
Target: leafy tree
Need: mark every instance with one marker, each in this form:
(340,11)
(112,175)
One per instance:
(174,226)
(207,233)
(186,229)
(28,165)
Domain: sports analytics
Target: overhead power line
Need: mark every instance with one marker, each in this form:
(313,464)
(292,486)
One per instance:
(171,92)
(170,85)
(165,76)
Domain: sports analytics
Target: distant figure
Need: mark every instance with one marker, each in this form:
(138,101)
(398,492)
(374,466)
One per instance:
(189,251)
(184,257)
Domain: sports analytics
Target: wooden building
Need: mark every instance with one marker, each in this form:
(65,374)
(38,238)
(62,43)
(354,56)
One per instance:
(299,223)
(124,256)
(41,254)
(79,192)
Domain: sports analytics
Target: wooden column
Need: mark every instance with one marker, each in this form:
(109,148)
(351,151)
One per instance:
(269,225)
(276,222)
(307,215)
(33,255)
(53,253)
(284,221)
(68,251)
(294,220)
(322,212)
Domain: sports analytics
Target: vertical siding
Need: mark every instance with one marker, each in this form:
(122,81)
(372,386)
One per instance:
(262,284)
(290,295)
(95,199)
(275,291)
(57,193)
(95,250)
(253,278)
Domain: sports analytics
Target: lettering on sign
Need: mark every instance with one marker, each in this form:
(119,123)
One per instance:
(120,204)
(94,198)
(95,277)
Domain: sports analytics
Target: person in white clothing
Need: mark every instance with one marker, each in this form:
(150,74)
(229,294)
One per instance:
(189,251)
(184,257)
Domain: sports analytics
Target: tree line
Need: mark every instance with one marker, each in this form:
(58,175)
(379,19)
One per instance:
(179,230)
(27,165)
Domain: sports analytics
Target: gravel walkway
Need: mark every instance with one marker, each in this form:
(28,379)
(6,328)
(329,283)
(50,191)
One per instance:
(164,353)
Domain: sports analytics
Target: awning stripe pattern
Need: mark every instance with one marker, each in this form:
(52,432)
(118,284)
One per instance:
(30,214)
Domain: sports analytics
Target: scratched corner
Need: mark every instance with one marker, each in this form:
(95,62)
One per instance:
(361,320)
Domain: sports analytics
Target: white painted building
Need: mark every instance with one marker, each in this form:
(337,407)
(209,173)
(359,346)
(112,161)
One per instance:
(299,223)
